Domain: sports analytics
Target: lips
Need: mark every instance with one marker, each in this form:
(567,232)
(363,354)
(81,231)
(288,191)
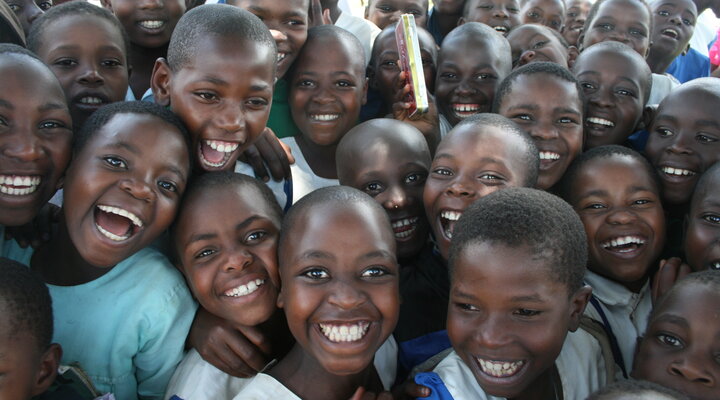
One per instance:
(152,24)
(448,218)
(677,171)
(90,99)
(214,154)
(116,223)
(404,227)
(671,33)
(599,123)
(344,332)
(499,369)
(19,185)
(244,289)
(464,110)
(501,28)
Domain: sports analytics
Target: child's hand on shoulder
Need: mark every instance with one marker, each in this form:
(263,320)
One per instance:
(669,272)
(269,151)
(37,231)
(318,16)
(241,353)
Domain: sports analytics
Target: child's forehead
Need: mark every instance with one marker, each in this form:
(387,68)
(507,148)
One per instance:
(27,71)
(463,47)
(546,4)
(688,5)
(318,50)
(624,166)
(291,6)
(611,60)
(609,9)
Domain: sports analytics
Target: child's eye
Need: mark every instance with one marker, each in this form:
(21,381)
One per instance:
(345,84)
(204,253)
(533,15)
(484,77)
(605,27)
(45,5)
(51,125)
(637,32)
(115,162)
(664,132)
(385,9)
(572,14)
(625,92)
(448,75)
(415,178)
(306,83)
(663,13)
(513,10)
(15,8)
(486,6)
(316,274)
(687,22)
(255,236)
(594,206)
(373,187)
(374,272)
(296,22)
(522,118)
(566,120)
(641,202)
(207,96)
(167,185)
(466,307)
(555,23)
(65,62)
(669,340)
(524,312)
(539,44)
(587,86)
(705,138)
(111,63)
(442,171)
(257,102)
(3,121)
(491,177)
(389,63)
(712,218)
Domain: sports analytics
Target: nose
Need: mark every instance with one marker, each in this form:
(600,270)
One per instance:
(680,144)
(138,188)
(492,333)
(545,131)
(231,121)
(465,88)
(322,94)
(621,216)
(692,368)
(238,259)
(151,4)
(526,57)
(347,296)
(602,98)
(500,12)
(460,187)
(25,145)
(619,36)
(676,20)
(33,12)
(394,198)
(91,76)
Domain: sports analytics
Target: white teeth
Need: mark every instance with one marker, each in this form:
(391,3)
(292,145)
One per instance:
(344,333)
(221,146)
(123,213)
(549,155)
(451,215)
(670,32)
(90,100)
(499,369)
(465,108)
(500,28)
(677,171)
(325,117)
(281,56)
(622,241)
(111,235)
(407,225)
(17,185)
(152,24)
(244,290)
(600,121)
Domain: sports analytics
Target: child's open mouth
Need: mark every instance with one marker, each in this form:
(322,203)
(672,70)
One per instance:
(246,289)
(501,28)
(404,227)
(463,110)
(152,25)
(547,157)
(677,172)
(115,223)
(216,153)
(499,369)
(324,117)
(670,32)
(448,219)
(19,185)
(344,332)
(599,123)
(624,244)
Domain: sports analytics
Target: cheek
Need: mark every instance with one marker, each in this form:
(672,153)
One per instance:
(297,40)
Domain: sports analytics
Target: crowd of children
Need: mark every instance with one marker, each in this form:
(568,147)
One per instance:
(233,201)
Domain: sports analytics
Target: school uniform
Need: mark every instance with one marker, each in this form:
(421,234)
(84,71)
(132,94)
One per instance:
(303,181)
(197,379)
(127,328)
(662,85)
(264,387)
(622,313)
(280,119)
(580,368)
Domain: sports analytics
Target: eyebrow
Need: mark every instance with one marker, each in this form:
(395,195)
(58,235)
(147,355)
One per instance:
(316,254)
(673,319)
(533,298)
(206,236)
(124,145)
(6,104)
(51,106)
(376,254)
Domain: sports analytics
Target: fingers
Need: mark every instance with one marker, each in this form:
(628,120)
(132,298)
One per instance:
(254,159)
(274,155)
(669,272)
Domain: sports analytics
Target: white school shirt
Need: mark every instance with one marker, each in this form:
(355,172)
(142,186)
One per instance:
(626,312)
(662,85)
(580,366)
(197,379)
(304,179)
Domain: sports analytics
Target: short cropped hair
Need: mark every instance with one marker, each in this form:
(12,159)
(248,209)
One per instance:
(479,32)
(72,8)
(708,178)
(332,195)
(104,114)
(232,24)
(541,67)
(636,387)
(709,278)
(530,156)
(9,48)
(517,217)
(332,31)
(25,302)
(548,30)
(596,6)
(566,184)
(622,48)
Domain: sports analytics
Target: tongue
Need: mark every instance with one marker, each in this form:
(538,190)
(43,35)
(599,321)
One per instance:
(113,223)
(214,156)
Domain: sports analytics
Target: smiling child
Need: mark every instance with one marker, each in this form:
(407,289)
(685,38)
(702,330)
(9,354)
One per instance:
(702,248)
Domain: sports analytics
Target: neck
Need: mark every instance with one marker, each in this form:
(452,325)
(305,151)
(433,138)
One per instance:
(301,373)
(658,63)
(547,386)
(60,264)
(142,60)
(321,159)
(276,330)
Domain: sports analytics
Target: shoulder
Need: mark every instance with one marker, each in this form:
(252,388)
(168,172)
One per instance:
(263,387)
(196,379)
(458,379)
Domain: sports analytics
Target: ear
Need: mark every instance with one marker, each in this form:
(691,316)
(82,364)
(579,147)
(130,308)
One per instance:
(461,21)
(281,298)
(687,48)
(578,302)
(370,74)
(573,54)
(647,116)
(367,11)
(106,4)
(47,370)
(365,90)
(647,52)
(160,82)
